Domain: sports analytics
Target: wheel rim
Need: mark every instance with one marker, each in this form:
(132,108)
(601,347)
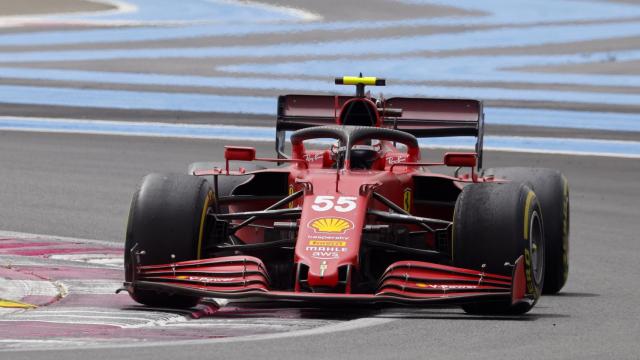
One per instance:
(536,247)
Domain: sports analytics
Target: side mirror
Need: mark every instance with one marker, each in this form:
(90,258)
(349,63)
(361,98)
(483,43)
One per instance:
(245,153)
(240,153)
(460,159)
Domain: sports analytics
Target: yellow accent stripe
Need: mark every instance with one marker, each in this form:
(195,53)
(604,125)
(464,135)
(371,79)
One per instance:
(355,80)
(291,191)
(527,205)
(202,219)
(15,304)
(407,200)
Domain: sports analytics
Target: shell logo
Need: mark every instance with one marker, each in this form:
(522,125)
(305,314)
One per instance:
(331,225)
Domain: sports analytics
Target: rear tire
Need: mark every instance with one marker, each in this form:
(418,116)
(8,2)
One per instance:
(494,224)
(552,190)
(167,217)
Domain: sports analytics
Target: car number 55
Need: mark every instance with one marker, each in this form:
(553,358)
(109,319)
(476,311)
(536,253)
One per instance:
(342,204)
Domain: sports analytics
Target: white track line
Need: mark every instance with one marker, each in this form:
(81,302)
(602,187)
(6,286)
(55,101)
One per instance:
(30,236)
(99,316)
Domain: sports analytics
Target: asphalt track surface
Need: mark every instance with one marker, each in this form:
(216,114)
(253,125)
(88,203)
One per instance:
(595,316)
(80,185)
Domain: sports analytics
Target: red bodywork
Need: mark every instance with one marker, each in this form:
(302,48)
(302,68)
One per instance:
(339,212)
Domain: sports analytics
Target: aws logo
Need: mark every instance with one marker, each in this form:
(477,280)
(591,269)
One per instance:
(330,225)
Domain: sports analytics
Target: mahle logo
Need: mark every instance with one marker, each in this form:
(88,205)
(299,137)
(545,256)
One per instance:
(331,225)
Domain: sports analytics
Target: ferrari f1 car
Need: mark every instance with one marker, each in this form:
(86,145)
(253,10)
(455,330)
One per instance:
(363,220)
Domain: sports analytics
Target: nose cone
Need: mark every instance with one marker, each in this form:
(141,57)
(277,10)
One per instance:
(330,232)
(325,244)
(324,275)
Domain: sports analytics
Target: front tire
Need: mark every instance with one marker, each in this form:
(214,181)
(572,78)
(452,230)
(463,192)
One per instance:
(167,217)
(495,224)
(552,190)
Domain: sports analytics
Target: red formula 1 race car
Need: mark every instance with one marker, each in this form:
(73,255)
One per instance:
(363,221)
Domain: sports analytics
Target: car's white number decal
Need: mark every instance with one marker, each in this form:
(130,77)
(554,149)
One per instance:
(322,203)
(343,204)
(348,203)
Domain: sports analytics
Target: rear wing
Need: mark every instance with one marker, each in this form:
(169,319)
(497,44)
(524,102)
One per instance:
(421,117)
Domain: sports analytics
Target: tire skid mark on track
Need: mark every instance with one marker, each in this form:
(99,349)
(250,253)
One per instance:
(73,282)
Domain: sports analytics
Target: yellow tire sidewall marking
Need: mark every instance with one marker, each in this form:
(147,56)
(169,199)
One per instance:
(527,206)
(527,255)
(203,217)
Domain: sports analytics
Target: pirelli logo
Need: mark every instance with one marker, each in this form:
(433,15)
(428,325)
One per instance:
(327,243)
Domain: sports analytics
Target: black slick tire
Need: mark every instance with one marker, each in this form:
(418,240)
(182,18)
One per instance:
(552,190)
(495,224)
(167,217)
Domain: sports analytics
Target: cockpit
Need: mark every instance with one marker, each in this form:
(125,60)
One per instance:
(363,157)
(357,148)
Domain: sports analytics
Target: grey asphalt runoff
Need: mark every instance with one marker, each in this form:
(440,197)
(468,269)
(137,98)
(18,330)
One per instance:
(81,185)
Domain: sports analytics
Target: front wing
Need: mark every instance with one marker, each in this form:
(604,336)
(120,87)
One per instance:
(405,282)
